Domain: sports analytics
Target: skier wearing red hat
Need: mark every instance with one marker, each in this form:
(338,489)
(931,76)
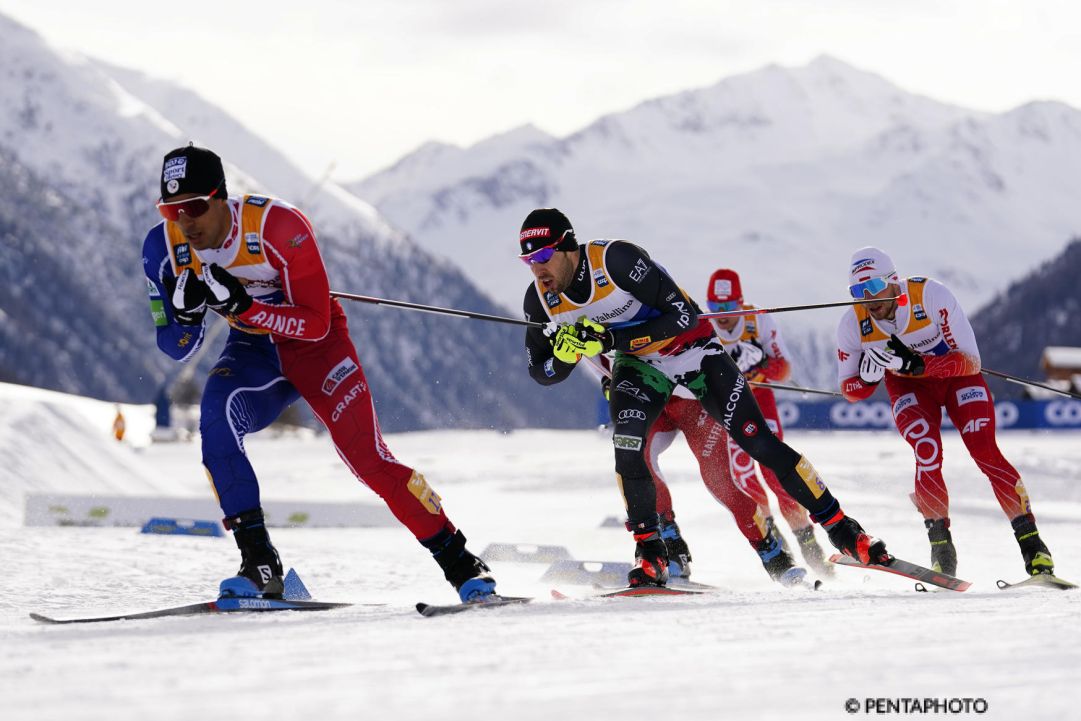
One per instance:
(756,345)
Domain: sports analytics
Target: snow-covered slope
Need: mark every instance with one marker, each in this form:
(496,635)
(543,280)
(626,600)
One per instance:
(80,151)
(54,442)
(780,173)
(750,650)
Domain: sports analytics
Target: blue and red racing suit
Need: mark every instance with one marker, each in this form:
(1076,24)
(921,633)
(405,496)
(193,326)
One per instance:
(292,343)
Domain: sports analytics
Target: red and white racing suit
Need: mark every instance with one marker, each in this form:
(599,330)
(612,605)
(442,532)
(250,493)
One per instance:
(933,324)
(763,332)
(711,447)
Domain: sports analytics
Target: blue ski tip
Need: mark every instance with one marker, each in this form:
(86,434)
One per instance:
(295,590)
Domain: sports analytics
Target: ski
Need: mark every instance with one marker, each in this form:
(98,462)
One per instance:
(679,584)
(634,592)
(688,584)
(1040,580)
(222,605)
(908,570)
(604,574)
(428,610)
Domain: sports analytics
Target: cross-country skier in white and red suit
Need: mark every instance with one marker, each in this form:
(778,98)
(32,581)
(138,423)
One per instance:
(756,345)
(926,352)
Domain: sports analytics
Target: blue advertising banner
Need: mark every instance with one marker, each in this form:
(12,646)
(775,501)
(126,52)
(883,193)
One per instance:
(871,415)
(876,415)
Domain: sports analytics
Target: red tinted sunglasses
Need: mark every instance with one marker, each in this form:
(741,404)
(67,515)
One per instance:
(192,207)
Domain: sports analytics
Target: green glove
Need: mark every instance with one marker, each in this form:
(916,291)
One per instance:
(583,338)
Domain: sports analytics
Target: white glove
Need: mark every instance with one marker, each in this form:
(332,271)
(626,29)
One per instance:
(746,355)
(875,361)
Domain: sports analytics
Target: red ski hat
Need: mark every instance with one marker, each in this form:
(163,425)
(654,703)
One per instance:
(724,287)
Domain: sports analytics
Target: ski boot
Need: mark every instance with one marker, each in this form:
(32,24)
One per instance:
(812,551)
(260,573)
(943,553)
(771,530)
(469,575)
(777,561)
(848,537)
(679,555)
(1033,550)
(650,561)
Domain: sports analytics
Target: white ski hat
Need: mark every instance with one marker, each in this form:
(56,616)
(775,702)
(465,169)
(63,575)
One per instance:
(870,262)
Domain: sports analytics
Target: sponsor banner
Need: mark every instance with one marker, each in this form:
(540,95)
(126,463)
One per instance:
(1062,414)
(113,511)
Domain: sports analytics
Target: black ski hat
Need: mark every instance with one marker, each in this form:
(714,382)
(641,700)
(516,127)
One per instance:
(192,170)
(546,226)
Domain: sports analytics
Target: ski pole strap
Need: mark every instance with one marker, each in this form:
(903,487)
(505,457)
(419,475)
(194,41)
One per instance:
(1026,382)
(245,519)
(901,300)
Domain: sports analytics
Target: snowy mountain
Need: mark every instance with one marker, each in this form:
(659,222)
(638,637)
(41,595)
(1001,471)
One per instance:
(780,173)
(80,150)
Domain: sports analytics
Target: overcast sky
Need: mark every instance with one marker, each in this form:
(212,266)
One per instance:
(361,83)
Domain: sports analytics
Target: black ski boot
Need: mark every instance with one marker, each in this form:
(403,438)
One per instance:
(259,561)
(812,551)
(848,537)
(650,560)
(679,555)
(469,575)
(943,553)
(777,561)
(1037,557)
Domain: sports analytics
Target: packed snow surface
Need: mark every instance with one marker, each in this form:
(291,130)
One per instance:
(750,650)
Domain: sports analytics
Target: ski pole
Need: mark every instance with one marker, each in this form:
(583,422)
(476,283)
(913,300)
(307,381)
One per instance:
(901,300)
(798,389)
(602,369)
(1026,382)
(435,309)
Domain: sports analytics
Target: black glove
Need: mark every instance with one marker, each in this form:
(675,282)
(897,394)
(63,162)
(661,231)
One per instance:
(911,361)
(225,293)
(187,297)
(606,387)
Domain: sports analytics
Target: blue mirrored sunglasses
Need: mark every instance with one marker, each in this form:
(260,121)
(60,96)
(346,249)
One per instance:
(874,286)
(716,306)
(540,255)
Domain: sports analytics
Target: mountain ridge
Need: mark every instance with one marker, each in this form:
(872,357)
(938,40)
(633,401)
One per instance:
(779,173)
(81,144)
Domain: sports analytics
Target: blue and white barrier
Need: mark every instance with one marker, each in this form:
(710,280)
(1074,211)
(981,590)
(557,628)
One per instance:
(872,415)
